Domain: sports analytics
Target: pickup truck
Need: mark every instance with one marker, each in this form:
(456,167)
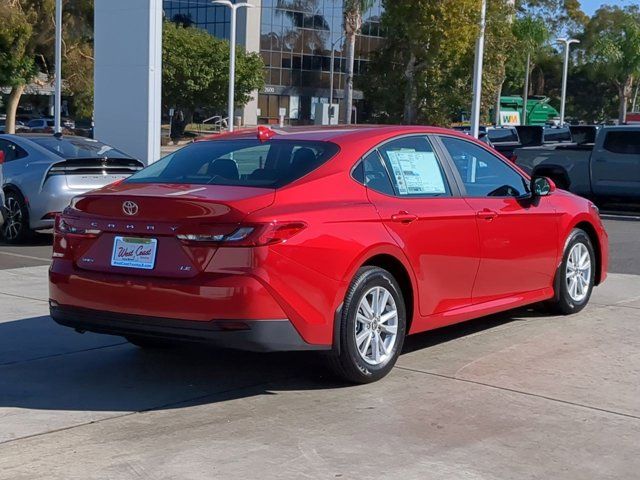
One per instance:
(608,168)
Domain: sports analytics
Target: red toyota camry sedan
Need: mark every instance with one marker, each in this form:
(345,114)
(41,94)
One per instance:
(340,240)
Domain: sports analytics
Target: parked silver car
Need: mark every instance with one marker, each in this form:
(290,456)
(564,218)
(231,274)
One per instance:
(42,173)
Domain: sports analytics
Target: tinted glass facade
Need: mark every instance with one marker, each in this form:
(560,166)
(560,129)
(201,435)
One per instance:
(199,13)
(297,38)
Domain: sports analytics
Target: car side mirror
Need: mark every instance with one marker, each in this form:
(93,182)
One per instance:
(542,186)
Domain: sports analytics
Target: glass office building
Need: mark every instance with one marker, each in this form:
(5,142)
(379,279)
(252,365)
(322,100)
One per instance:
(296,38)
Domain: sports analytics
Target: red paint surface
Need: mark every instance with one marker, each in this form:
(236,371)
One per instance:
(465,257)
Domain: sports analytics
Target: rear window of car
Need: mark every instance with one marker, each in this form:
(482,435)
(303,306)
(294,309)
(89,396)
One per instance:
(557,134)
(503,135)
(69,148)
(623,142)
(247,163)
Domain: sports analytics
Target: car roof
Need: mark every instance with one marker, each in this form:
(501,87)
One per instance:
(335,134)
(30,136)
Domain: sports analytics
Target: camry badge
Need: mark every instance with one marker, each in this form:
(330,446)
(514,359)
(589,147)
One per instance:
(130,208)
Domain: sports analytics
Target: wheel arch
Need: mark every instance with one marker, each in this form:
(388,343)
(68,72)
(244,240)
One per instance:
(392,259)
(591,232)
(13,188)
(396,268)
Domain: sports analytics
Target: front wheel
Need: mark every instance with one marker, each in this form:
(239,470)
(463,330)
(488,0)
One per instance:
(372,327)
(575,276)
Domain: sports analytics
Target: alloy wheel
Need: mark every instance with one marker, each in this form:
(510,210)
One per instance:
(578,272)
(376,326)
(13,224)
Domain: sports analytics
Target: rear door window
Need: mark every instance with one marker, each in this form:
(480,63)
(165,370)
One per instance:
(624,142)
(245,162)
(12,151)
(376,176)
(414,168)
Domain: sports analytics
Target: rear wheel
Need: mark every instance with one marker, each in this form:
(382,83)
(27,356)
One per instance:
(15,229)
(575,276)
(372,327)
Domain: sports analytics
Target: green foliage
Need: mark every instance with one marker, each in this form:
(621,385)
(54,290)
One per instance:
(424,71)
(560,16)
(612,45)
(17,62)
(31,22)
(612,42)
(196,70)
(530,35)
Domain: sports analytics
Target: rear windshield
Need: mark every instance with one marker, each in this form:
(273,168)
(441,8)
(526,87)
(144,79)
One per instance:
(503,135)
(247,163)
(560,134)
(75,147)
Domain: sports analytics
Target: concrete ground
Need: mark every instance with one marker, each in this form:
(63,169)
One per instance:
(512,396)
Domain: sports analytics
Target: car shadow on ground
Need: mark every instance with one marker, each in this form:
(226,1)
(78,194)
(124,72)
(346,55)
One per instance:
(45,366)
(36,239)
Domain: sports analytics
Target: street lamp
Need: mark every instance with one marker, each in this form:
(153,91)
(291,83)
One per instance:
(477,73)
(333,58)
(567,43)
(57,127)
(232,53)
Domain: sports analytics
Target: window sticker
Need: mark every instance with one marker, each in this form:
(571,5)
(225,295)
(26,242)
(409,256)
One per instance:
(416,173)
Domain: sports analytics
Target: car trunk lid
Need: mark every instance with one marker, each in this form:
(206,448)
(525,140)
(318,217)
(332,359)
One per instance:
(92,173)
(145,217)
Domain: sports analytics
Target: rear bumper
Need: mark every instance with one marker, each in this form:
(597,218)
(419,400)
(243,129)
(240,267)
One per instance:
(251,335)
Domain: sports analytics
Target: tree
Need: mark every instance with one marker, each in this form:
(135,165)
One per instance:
(612,43)
(531,35)
(17,61)
(353,13)
(422,73)
(27,48)
(196,70)
(558,15)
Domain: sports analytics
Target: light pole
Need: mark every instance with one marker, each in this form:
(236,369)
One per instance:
(232,53)
(57,126)
(567,43)
(477,73)
(525,94)
(333,58)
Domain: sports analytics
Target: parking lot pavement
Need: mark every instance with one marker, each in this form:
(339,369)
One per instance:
(512,396)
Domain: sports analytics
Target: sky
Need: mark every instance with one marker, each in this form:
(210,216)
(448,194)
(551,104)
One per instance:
(590,6)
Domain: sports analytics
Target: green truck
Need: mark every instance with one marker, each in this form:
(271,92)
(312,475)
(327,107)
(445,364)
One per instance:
(539,112)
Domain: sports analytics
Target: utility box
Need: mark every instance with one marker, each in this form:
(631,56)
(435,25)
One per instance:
(327,114)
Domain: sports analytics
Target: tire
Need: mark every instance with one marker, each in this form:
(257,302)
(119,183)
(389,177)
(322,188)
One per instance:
(149,343)
(571,297)
(361,330)
(15,229)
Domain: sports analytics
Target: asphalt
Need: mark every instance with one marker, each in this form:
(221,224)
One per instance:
(514,396)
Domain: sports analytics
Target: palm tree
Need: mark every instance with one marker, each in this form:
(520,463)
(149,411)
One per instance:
(353,12)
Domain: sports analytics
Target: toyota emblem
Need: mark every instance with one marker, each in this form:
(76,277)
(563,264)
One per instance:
(130,208)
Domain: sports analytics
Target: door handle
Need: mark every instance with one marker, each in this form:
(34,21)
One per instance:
(487,214)
(403,217)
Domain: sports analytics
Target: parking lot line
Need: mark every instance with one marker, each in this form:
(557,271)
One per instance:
(30,257)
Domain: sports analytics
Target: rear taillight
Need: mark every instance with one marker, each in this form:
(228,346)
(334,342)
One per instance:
(62,227)
(254,235)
